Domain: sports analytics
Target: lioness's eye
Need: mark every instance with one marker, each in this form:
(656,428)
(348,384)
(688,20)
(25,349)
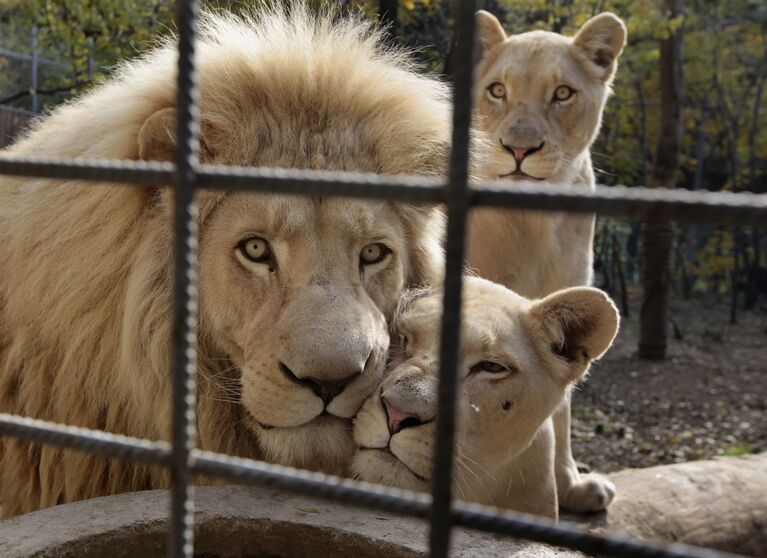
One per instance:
(373,253)
(563,93)
(255,249)
(489,366)
(497,90)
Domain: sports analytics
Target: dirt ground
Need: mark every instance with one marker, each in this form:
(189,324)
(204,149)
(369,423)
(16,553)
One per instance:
(708,398)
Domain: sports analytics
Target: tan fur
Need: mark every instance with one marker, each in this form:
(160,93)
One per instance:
(86,280)
(531,252)
(505,440)
(538,253)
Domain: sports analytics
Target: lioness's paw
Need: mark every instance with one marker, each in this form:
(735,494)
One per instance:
(592,493)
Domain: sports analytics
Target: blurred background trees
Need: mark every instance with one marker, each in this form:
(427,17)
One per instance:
(722,114)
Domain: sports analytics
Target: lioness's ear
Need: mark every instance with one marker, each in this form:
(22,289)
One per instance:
(578,325)
(602,38)
(157,137)
(489,31)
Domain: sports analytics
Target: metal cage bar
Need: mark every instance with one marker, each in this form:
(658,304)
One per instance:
(743,208)
(187,175)
(457,214)
(184,358)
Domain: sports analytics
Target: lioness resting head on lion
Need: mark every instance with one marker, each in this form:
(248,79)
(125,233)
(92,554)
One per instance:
(539,97)
(295,292)
(520,358)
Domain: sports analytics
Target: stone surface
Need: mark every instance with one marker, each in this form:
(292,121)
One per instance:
(716,503)
(236,521)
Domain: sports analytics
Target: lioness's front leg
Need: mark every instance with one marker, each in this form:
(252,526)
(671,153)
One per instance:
(576,492)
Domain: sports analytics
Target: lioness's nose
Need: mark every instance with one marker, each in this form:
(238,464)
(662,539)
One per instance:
(519,153)
(399,419)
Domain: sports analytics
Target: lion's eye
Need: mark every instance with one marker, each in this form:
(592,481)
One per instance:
(497,90)
(373,253)
(256,249)
(489,366)
(563,93)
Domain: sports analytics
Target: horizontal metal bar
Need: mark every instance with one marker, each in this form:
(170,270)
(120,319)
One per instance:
(118,171)
(218,177)
(743,208)
(340,490)
(636,202)
(322,183)
(85,439)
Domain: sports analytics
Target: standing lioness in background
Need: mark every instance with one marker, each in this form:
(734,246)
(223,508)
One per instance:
(540,97)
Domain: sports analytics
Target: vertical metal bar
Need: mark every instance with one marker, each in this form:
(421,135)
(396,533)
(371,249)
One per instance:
(90,58)
(457,209)
(184,359)
(33,58)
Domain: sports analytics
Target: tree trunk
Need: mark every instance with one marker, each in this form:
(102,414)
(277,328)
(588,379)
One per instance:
(387,13)
(449,68)
(641,125)
(754,272)
(735,283)
(752,132)
(618,267)
(658,232)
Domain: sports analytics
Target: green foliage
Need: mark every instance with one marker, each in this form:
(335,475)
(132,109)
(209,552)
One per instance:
(725,136)
(742,448)
(71,31)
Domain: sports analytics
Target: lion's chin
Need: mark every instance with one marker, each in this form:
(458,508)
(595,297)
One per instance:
(323,444)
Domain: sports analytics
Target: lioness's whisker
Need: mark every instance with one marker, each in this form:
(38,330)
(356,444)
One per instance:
(459,460)
(463,448)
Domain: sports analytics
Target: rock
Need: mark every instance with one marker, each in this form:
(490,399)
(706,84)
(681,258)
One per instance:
(717,503)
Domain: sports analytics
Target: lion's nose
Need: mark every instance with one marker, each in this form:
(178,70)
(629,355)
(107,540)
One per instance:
(520,153)
(399,419)
(326,390)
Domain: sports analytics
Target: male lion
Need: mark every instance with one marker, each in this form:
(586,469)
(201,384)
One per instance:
(519,359)
(540,97)
(295,292)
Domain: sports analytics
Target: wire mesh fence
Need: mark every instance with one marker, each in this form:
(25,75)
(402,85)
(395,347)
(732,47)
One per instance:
(187,175)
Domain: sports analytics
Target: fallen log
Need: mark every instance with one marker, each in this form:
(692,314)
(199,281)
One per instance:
(719,503)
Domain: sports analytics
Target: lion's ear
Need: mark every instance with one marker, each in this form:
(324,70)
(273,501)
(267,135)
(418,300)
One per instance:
(578,326)
(602,39)
(157,137)
(489,31)
(157,142)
